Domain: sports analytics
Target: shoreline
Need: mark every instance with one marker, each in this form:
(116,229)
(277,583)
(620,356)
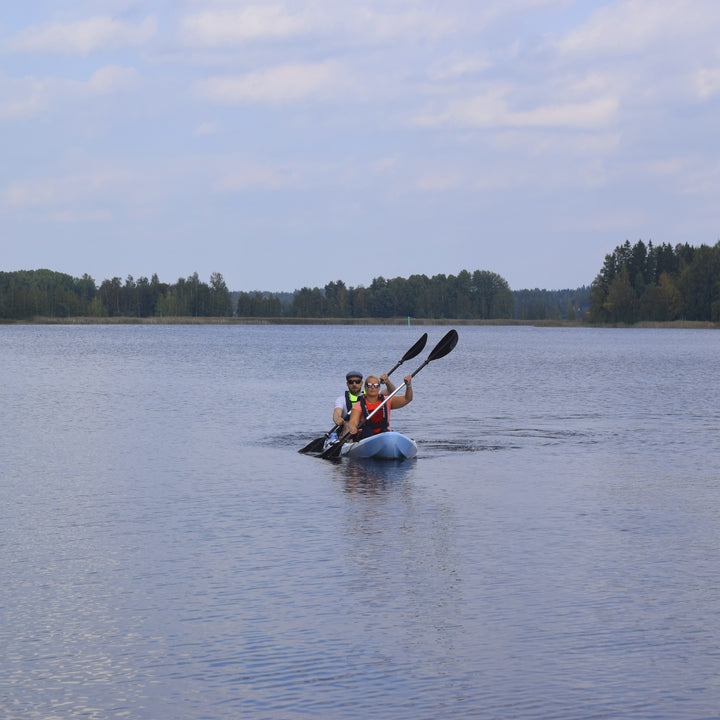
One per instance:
(646,324)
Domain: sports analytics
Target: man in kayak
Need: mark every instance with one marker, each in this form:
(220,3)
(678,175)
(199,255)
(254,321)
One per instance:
(344,403)
(380,421)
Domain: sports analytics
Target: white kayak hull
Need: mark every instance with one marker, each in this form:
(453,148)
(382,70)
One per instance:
(383,446)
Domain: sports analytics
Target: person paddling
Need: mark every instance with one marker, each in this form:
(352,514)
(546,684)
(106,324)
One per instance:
(380,421)
(344,403)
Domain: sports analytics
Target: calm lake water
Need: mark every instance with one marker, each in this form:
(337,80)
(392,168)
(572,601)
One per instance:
(552,552)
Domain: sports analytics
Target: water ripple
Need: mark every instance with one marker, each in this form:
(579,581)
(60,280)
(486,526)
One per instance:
(167,552)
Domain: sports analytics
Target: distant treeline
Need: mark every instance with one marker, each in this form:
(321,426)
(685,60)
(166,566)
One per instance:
(647,282)
(46,293)
(636,282)
(478,295)
(481,294)
(551,304)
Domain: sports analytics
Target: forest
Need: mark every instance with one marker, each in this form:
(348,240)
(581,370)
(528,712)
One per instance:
(26,294)
(657,283)
(637,282)
(478,295)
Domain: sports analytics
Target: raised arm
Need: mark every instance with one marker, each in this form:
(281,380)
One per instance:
(388,383)
(399,401)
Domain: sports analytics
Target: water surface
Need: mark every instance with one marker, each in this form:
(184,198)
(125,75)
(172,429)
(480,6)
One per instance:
(167,553)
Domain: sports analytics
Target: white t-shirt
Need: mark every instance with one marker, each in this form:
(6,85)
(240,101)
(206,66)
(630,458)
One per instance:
(340,403)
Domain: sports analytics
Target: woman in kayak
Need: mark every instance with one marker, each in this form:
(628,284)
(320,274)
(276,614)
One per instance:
(372,399)
(344,403)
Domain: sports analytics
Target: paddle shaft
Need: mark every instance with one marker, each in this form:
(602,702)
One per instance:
(337,427)
(440,350)
(391,395)
(397,365)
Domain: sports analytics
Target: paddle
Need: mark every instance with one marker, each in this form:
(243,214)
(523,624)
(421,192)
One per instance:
(317,444)
(440,350)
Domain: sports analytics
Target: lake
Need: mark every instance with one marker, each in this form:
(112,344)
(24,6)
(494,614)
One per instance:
(552,552)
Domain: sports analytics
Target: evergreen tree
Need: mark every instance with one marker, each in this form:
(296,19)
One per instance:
(621,302)
(220,302)
(700,283)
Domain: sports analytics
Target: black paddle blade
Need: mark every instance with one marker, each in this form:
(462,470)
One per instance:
(333,452)
(444,346)
(416,349)
(314,446)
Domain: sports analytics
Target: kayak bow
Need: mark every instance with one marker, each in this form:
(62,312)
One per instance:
(383,446)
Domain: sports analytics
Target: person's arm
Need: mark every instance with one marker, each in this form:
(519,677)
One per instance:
(388,383)
(339,411)
(398,401)
(354,420)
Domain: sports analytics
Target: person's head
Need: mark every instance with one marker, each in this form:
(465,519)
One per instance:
(372,385)
(354,382)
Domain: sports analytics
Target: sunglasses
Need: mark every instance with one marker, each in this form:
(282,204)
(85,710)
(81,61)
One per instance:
(372,385)
(354,381)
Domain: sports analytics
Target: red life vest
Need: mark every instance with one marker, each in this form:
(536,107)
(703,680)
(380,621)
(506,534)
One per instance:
(379,422)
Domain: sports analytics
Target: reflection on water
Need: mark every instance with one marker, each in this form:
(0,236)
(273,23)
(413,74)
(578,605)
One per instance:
(371,476)
(167,552)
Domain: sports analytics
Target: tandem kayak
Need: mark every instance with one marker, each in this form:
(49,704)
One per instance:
(383,446)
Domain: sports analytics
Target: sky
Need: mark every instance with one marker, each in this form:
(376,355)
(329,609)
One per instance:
(292,144)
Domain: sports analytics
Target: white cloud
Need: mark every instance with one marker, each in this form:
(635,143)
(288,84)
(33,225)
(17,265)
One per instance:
(255,177)
(691,174)
(412,24)
(70,217)
(228,26)
(491,111)
(206,128)
(437,182)
(64,191)
(707,82)
(221,25)
(579,115)
(31,96)
(112,78)
(457,67)
(650,55)
(386,164)
(286,83)
(631,26)
(23,98)
(83,37)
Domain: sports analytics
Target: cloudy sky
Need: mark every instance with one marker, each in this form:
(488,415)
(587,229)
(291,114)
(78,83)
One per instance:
(289,144)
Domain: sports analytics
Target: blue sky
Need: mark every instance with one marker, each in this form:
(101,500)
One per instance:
(290,144)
